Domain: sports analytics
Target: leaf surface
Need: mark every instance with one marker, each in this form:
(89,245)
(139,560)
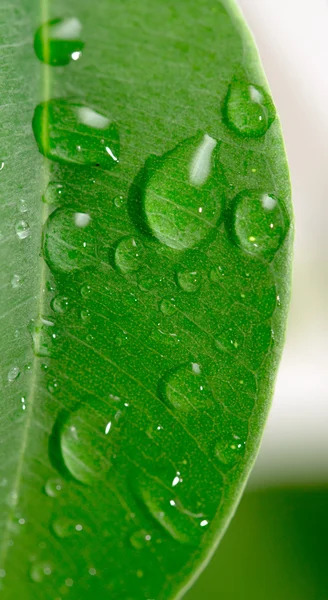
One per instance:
(145,250)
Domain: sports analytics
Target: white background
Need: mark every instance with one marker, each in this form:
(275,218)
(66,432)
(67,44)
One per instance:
(292,36)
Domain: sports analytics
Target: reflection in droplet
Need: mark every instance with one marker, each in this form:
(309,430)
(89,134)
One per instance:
(129,254)
(182,195)
(68,247)
(57,42)
(76,134)
(248,109)
(22,229)
(259,223)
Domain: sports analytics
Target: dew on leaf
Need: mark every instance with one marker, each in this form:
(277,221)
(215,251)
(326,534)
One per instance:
(229,451)
(189,281)
(58,41)
(76,134)
(15,281)
(22,229)
(129,255)
(64,527)
(248,109)
(55,193)
(186,389)
(183,197)
(67,247)
(22,206)
(140,539)
(88,442)
(44,336)
(54,487)
(118,201)
(258,223)
(39,571)
(60,304)
(13,374)
(168,307)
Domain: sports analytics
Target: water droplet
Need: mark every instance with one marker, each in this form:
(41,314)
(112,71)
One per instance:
(39,571)
(13,374)
(88,443)
(54,487)
(140,539)
(76,134)
(217,274)
(22,206)
(118,201)
(129,254)
(189,281)
(44,336)
(85,291)
(248,109)
(60,304)
(259,223)
(57,42)
(92,571)
(229,451)
(22,229)
(186,389)
(54,193)
(66,246)
(15,281)
(183,197)
(64,527)
(167,307)
(53,386)
(69,582)
(85,315)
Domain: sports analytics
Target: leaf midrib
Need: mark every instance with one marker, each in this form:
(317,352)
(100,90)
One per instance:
(31,395)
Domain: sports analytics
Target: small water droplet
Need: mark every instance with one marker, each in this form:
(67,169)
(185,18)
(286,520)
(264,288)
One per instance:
(140,539)
(119,201)
(87,449)
(66,246)
(53,487)
(64,527)
(167,307)
(230,450)
(85,291)
(53,386)
(129,255)
(69,582)
(57,42)
(217,274)
(248,109)
(85,315)
(60,304)
(39,571)
(183,197)
(54,193)
(22,229)
(22,206)
(44,336)
(186,389)
(15,281)
(189,281)
(92,571)
(13,374)
(259,223)
(76,134)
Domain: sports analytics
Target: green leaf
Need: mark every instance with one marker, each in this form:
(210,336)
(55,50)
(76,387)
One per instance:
(145,251)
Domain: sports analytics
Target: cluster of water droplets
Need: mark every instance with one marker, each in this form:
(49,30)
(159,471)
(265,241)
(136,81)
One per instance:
(183,204)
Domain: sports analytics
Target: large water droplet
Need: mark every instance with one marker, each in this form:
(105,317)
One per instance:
(44,336)
(67,245)
(186,389)
(57,42)
(248,109)
(259,223)
(88,442)
(183,197)
(69,132)
(129,254)
(189,281)
(22,229)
